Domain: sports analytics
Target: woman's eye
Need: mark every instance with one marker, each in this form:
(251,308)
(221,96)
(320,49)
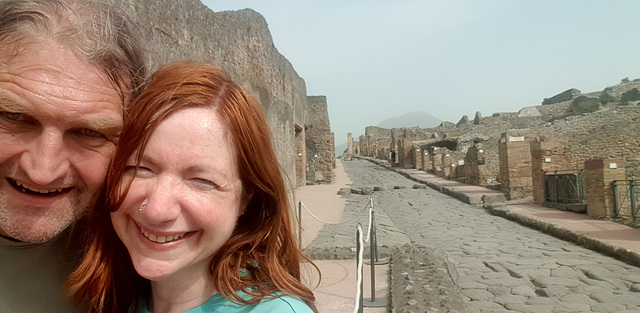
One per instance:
(204,183)
(141,171)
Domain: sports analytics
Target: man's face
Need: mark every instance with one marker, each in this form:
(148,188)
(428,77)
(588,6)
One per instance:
(60,120)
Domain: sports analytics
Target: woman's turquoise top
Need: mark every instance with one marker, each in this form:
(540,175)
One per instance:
(218,303)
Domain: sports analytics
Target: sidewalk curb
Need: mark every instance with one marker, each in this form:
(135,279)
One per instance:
(476,200)
(584,240)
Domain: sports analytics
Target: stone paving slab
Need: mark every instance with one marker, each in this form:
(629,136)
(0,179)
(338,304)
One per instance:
(499,264)
(604,236)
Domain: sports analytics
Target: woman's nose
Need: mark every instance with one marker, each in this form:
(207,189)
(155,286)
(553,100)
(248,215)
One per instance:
(163,200)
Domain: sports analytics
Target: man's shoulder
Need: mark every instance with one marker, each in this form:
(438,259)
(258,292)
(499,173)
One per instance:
(33,275)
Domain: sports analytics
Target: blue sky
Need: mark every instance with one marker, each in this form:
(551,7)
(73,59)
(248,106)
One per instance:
(378,59)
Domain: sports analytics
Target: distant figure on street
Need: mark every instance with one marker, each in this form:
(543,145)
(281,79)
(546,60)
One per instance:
(393,157)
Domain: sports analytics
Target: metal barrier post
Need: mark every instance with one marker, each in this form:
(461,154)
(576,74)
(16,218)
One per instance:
(372,256)
(373,302)
(632,197)
(374,237)
(374,240)
(300,224)
(616,205)
(359,269)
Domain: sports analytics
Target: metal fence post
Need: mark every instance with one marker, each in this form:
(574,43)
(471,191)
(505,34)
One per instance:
(359,269)
(372,242)
(616,205)
(632,196)
(300,224)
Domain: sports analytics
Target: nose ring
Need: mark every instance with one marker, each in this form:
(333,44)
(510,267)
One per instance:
(144,204)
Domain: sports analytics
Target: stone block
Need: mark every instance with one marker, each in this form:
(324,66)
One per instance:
(494,199)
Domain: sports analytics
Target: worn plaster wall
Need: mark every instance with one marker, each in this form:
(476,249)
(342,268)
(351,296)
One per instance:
(240,43)
(320,142)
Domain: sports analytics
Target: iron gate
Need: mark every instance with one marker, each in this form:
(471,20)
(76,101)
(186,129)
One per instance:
(564,187)
(626,196)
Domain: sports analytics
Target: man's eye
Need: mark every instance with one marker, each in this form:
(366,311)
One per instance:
(90,133)
(11,115)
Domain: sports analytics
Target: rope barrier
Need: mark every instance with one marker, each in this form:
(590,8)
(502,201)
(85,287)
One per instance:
(360,241)
(332,223)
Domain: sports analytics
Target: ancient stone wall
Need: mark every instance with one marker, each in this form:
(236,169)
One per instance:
(611,132)
(319,143)
(240,43)
(378,142)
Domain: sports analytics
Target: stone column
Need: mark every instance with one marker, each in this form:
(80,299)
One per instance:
(598,179)
(349,144)
(514,154)
(417,153)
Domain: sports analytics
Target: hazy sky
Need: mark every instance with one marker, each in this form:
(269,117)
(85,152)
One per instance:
(376,59)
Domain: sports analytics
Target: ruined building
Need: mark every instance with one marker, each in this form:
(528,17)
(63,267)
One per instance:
(320,142)
(569,152)
(240,43)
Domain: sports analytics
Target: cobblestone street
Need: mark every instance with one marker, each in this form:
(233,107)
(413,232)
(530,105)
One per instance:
(498,265)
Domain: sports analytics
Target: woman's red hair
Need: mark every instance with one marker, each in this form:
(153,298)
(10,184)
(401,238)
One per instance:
(262,241)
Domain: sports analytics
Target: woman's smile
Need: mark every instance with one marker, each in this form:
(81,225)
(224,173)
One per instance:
(161,238)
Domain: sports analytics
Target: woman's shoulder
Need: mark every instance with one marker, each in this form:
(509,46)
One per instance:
(287,304)
(283,304)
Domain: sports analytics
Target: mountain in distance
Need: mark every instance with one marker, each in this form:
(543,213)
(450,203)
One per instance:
(411,119)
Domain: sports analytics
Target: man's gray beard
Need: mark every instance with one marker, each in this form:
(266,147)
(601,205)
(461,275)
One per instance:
(32,232)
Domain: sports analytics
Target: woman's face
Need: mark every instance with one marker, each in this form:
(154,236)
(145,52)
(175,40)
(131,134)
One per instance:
(189,180)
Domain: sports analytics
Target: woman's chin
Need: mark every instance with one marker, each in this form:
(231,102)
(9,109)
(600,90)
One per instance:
(152,270)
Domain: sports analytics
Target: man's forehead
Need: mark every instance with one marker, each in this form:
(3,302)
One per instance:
(57,74)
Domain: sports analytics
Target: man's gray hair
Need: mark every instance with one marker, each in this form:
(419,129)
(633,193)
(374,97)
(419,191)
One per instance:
(98,32)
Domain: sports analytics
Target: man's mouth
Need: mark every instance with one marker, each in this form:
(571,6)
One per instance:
(36,191)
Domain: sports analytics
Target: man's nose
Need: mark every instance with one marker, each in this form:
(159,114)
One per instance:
(46,158)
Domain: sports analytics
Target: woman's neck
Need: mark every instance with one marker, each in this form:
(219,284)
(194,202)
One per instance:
(180,294)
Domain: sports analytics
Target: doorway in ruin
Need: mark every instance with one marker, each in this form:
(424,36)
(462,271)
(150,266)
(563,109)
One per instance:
(300,156)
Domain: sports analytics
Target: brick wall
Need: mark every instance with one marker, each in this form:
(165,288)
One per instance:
(548,155)
(515,164)
(599,176)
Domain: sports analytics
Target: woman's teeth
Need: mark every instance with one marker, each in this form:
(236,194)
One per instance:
(160,239)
